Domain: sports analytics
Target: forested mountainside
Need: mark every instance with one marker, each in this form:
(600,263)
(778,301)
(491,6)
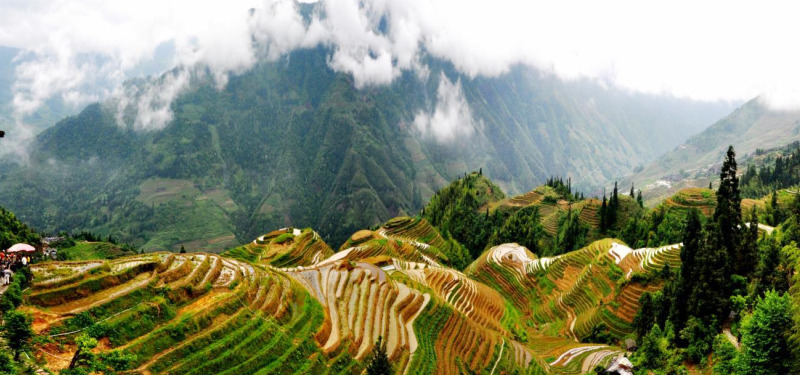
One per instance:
(293,143)
(750,128)
(717,300)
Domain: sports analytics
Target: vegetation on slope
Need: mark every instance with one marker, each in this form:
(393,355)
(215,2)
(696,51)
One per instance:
(12,230)
(753,128)
(549,220)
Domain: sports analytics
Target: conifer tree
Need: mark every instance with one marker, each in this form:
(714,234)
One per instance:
(569,185)
(692,243)
(749,249)
(603,215)
(632,191)
(639,199)
(643,320)
(728,214)
(710,279)
(379,362)
(613,207)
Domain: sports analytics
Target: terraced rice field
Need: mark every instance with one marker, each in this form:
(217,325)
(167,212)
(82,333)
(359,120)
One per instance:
(527,199)
(285,247)
(589,212)
(575,291)
(700,198)
(552,209)
(286,303)
(181,314)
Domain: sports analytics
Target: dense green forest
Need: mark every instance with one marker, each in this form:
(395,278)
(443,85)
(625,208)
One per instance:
(778,170)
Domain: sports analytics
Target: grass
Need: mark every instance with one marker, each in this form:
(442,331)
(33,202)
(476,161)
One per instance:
(85,250)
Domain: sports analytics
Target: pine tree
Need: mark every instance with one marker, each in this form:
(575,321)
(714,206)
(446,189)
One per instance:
(632,191)
(569,185)
(728,214)
(692,244)
(749,248)
(639,199)
(379,362)
(613,207)
(710,279)
(776,213)
(603,215)
(644,319)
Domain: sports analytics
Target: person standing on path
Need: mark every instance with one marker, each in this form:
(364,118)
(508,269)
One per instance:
(6,276)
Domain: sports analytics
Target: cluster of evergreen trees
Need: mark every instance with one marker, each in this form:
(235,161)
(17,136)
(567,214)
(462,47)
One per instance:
(609,213)
(781,174)
(728,277)
(461,211)
(564,189)
(455,211)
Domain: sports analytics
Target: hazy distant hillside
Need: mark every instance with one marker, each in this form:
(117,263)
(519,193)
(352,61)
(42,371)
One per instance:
(693,164)
(46,115)
(292,143)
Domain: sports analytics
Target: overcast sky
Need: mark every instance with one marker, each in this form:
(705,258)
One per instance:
(707,50)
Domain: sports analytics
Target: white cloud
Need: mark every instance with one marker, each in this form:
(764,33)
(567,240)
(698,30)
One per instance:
(152,102)
(82,50)
(452,118)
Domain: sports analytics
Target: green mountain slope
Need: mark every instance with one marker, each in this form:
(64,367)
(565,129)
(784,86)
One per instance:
(292,143)
(751,127)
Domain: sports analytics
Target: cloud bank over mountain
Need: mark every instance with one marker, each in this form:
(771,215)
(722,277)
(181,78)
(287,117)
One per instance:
(452,117)
(83,50)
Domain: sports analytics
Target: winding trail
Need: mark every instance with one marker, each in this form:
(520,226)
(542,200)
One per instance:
(499,356)
(731,337)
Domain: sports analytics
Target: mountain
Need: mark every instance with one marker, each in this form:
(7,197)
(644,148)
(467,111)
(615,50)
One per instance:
(751,127)
(292,143)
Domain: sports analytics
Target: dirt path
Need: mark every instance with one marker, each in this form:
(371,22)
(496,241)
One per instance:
(499,356)
(731,337)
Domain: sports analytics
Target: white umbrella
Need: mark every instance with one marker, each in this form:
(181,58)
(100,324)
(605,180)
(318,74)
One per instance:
(21,247)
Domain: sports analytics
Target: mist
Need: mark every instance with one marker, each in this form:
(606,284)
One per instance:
(82,51)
